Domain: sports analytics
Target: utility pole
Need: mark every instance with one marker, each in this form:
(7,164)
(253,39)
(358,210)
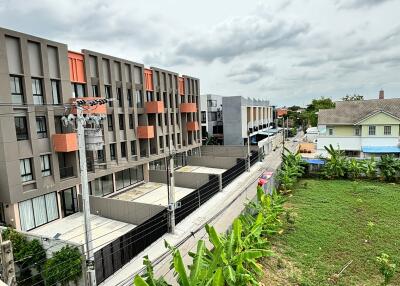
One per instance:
(85,194)
(7,262)
(171,194)
(248,151)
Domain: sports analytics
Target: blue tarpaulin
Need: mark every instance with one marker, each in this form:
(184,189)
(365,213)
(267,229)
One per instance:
(380,149)
(314,161)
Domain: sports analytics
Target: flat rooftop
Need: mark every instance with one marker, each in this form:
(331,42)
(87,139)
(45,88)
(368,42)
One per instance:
(71,228)
(152,193)
(201,169)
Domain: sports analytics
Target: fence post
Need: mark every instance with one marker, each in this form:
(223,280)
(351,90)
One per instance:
(220,182)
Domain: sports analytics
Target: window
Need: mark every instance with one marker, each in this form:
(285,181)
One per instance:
(69,201)
(107,91)
(130,121)
(25,168)
(110,122)
(357,131)
(102,186)
(123,149)
(100,155)
(371,130)
(21,128)
(38,211)
(212,103)
(17,95)
(172,122)
(45,165)
(78,90)
(41,128)
(112,151)
(133,148)
(121,122)
(55,91)
(330,131)
(128,177)
(95,90)
(119,96)
(387,130)
(213,116)
(139,99)
(129,96)
(203,117)
(37,91)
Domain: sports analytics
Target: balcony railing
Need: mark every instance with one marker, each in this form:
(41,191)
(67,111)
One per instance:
(66,172)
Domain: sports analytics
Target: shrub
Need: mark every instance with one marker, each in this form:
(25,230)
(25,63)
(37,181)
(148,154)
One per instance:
(386,267)
(336,164)
(389,166)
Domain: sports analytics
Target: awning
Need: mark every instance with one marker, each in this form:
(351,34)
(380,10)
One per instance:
(380,149)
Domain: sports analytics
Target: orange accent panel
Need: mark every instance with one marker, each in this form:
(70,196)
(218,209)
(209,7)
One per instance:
(192,126)
(148,80)
(65,142)
(76,67)
(154,107)
(145,132)
(188,107)
(98,109)
(181,85)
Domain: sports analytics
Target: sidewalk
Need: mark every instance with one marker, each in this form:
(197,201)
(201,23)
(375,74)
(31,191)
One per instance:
(219,211)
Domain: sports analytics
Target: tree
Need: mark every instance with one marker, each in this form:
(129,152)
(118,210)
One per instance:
(354,97)
(310,115)
(336,165)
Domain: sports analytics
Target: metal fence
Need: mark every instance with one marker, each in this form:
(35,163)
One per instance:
(116,254)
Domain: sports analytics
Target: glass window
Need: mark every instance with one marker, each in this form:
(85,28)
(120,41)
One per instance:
(45,165)
(119,180)
(69,201)
(110,123)
(133,148)
(121,122)
(213,116)
(108,93)
(123,149)
(330,131)
(203,117)
(38,211)
(37,91)
(129,96)
(140,176)
(212,103)
(119,96)
(17,95)
(55,91)
(78,90)
(95,90)
(387,130)
(25,167)
(107,184)
(41,128)
(131,121)
(371,130)
(21,128)
(112,151)
(139,99)
(357,131)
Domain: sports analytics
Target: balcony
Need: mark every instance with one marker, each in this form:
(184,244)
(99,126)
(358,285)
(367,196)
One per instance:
(188,107)
(154,107)
(192,126)
(65,142)
(97,109)
(66,172)
(145,132)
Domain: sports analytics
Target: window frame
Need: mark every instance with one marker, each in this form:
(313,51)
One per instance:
(16,81)
(75,90)
(56,84)
(113,155)
(357,131)
(385,130)
(37,91)
(46,170)
(21,135)
(121,122)
(42,123)
(123,149)
(370,129)
(330,131)
(110,123)
(28,175)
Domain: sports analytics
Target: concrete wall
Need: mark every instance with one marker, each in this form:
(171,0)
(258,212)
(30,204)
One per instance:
(182,179)
(125,211)
(212,161)
(225,151)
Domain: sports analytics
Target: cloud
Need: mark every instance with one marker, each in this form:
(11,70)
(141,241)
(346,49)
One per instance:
(355,4)
(251,73)
(237,37)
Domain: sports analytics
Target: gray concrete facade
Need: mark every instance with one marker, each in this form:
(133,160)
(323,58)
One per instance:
(42,69)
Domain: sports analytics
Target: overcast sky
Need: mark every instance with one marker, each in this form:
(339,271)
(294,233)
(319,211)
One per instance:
(286,51)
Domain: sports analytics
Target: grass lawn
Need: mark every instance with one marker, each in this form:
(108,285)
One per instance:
(331,229)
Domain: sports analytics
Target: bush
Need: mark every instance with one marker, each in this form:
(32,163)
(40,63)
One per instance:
(64,266)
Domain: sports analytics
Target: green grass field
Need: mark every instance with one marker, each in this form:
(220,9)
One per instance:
(331,229)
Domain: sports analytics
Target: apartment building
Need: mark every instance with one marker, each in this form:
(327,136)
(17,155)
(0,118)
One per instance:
(154,110)
(211,116)
(243,118)
(362,128)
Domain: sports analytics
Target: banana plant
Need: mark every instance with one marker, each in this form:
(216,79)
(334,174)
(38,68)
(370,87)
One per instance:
(336,165)
(148,278)
(355,168)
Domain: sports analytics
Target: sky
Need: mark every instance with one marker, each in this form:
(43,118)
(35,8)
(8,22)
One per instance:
(285,51)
